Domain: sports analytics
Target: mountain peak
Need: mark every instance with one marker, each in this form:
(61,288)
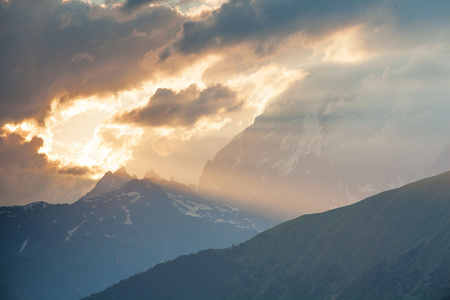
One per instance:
(121,172)
(152,175)
(109,182)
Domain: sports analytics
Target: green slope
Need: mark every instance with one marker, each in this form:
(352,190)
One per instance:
(393,245)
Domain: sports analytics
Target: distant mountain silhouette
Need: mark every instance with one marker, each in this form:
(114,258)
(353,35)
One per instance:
(123,226)
(109,182)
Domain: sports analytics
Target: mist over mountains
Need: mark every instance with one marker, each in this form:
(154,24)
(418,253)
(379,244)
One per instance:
(335,113)
(280,166)
(301,157)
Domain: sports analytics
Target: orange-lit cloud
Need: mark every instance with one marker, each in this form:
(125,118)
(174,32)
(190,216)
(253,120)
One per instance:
(100,57)
(65,92)
(79,133)
(73,135)
(27,176)
(167,108)
(343,46)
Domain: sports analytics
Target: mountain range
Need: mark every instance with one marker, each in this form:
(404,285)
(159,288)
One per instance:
(121,227)
(280,165)
(394,245)
(287,158)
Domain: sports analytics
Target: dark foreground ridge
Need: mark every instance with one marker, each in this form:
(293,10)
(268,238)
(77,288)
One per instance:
(394,245)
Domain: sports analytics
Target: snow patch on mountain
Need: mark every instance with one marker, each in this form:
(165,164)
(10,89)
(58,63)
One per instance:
(136,197)
(128,216)
(193,208)
(34,204)
(230,208)
(311,141)
(189,208)
(73,230)
(23,246)
(286,166)
(229,221)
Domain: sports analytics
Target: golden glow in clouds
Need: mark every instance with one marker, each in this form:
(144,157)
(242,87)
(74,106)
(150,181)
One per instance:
(343,46)
(76,136)
(81,133)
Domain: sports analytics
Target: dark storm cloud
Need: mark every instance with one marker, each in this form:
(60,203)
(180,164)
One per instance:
(78,171)
(60,50)
(16,152)
(132,4)
(27,176)
(168,108)
(266,20)
(65,50)
(265,24)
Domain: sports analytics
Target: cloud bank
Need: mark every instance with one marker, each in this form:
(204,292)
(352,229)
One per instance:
(27,176)
(52,50)
(167,108)
(378,70)
(133,4)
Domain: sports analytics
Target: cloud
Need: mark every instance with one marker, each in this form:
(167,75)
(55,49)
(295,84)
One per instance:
(63,51)
(377,70)
(28,176)
(55,50)
(52,50)
(76,170)
(266,23)
(168,108)
(133,4)
(337,31)
(388,110)
(82,56)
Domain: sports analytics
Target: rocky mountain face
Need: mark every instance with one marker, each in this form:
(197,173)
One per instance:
(109,182)
(393,245)
(123,226)
(283,161)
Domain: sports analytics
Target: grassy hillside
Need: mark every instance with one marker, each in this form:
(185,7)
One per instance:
(389,246)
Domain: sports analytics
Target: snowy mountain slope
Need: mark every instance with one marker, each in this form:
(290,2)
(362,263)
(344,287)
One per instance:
(283,160)
(68,251)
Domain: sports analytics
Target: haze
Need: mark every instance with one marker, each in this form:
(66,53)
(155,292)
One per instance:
(87,87)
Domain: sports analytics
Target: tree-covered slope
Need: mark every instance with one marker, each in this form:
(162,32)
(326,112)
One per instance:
(390,246)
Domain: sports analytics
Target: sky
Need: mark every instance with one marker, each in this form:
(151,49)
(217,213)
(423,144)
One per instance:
(90,86)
